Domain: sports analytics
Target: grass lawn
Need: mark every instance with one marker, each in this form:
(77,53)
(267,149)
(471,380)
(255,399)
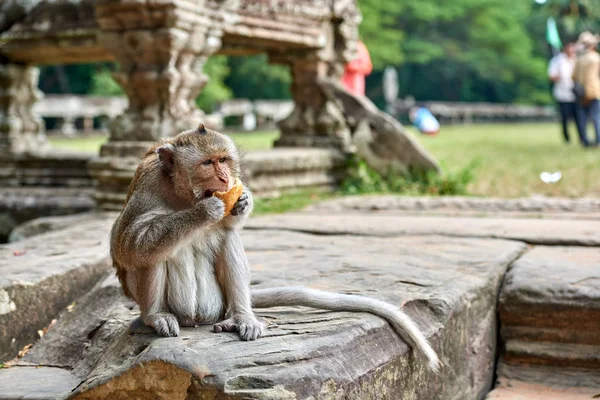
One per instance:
(510,156)
(246,140)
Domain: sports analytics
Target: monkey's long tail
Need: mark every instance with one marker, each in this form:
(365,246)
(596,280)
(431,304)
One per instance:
(301,296)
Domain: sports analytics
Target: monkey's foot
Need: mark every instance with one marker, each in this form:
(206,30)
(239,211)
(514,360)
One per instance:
(249,328)
(163,323)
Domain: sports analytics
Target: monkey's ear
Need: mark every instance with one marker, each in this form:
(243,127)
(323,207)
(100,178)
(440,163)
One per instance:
(166,157)
(201,129)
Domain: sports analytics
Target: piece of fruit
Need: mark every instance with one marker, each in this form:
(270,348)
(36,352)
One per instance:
(231,196)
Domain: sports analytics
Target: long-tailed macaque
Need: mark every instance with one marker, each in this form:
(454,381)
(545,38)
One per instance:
(183,261)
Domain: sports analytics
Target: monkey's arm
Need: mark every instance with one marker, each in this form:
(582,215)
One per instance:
(150,237)
(241,210)
(233,274)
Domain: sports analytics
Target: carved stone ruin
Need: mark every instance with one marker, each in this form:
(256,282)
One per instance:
(20,129)
(379,139)
(161,48)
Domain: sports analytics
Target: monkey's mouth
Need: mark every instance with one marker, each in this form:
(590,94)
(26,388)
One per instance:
(208,193)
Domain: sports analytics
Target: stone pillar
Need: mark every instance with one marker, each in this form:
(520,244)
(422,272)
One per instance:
(21,131)
(161,48)
(315,120)
(67,126)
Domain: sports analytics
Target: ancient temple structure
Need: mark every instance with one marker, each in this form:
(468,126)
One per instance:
(161,48)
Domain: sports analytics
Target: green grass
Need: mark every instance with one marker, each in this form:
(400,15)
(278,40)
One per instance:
(512,156)
(89,144)
(246,141)
(510,159)
(292,201)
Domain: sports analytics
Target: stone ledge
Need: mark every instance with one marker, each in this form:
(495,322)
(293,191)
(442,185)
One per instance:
(266,172)
(449,285)
(545,231)
(20,204)
(546,206)
(525,382)
(550,308)
(41,275)
(53,168)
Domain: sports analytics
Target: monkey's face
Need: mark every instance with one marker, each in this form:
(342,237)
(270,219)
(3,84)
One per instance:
(199,163)
(212,174)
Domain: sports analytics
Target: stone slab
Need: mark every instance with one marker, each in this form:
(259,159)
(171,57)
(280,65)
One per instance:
(51,224)
(41,275)
(531,207)
(546,231)
(449,285)
(21,204)
(526,382)
(42,383)
(550,307)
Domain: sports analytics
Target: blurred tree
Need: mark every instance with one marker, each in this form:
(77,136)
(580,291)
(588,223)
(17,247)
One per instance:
(103,83)
(464,50)
(215,90)
(254,78)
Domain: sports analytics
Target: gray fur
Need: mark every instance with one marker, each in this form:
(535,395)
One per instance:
(185,264)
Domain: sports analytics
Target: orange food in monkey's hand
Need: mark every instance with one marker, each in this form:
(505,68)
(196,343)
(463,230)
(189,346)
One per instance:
(231,196)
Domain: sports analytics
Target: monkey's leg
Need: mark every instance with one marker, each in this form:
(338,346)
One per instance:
(233,274)
(148,286)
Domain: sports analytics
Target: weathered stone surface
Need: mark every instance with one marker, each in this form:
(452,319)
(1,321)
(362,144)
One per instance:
(380,139)
(526,382)
(51,224)
(54,168)
(547,231)
(18,205)
(41,275)
(21,130)
(541,207)
(41,383)
(550,308)
(449,285)
(266,171)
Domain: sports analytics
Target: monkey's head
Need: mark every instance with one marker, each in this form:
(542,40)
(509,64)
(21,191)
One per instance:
(198,163)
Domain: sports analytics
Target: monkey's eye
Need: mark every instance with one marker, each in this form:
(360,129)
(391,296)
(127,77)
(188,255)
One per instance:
(207,162)
(222,160)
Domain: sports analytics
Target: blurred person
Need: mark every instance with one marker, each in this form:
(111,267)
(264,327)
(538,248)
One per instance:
(586,76)
(424,120)
(560,72)
(356,70)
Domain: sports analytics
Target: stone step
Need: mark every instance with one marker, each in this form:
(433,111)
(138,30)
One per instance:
(43,274)
(552,353)
(541,334)
(550,308)
(544,383)
(448,285)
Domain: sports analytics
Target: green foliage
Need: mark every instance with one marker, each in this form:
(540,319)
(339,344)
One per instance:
(464,50)
(76,79)
(362,179)
(103,84)
(254,78)
(291,201)
(215,91)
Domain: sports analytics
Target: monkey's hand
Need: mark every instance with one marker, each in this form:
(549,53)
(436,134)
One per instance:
(210,210)
(241,210)
(242,206)
(248,326)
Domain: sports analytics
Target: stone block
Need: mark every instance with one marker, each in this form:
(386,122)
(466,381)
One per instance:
(42,275)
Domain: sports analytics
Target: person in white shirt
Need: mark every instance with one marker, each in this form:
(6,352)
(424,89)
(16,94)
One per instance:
(560,71)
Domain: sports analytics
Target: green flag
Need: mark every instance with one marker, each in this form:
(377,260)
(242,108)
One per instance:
(552,34)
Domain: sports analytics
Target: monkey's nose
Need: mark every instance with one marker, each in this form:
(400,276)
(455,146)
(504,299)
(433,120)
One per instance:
(224,180)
